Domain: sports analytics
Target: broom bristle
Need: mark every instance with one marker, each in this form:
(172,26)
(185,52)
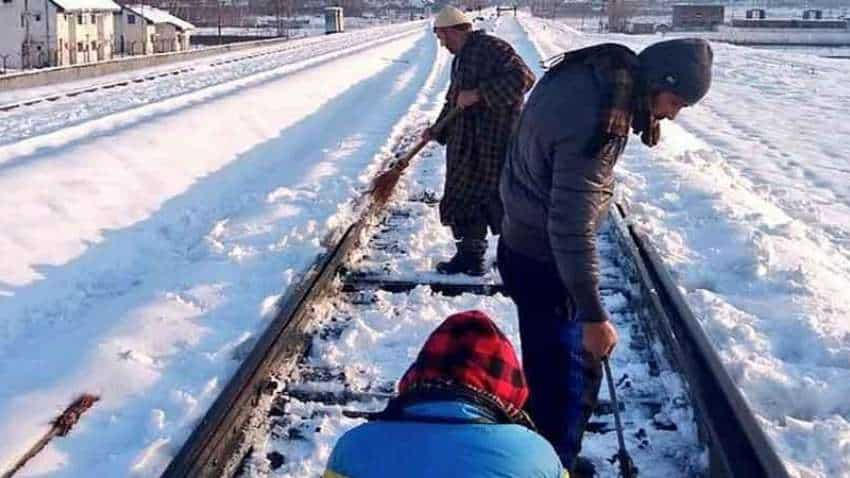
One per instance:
(384,183)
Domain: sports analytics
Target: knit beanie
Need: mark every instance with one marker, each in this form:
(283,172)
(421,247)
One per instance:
(682,66)
(450,16)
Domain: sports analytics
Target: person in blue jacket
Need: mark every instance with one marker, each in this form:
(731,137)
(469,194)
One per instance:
(458,413)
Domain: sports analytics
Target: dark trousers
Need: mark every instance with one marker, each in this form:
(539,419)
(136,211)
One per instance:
(563,379)
(471,238)
(471,233)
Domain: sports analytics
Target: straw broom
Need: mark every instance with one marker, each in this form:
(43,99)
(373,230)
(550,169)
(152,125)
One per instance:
(59,427)
(383,184)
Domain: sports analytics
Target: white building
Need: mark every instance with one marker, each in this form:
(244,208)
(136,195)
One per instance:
(786,32)
(56,32)
(141,29)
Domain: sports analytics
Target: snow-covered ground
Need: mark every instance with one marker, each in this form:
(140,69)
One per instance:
(144,250)
(144,244)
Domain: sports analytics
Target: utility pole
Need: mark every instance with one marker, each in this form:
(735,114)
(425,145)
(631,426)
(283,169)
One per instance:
(25,47)
(279,24)
(218,9)
(144,25)
(50,60)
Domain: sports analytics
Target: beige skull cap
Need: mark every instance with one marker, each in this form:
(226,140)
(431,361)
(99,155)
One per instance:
(450,16)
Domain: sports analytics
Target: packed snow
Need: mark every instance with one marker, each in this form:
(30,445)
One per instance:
(145,244)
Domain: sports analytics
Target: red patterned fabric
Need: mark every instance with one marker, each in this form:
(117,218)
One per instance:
(468,349)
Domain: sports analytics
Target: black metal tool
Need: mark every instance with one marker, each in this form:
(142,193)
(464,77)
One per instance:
(627,466)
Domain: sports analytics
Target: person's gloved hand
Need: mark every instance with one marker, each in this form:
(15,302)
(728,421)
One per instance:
(467,98)
(652,135)
(599,338)
(427,134)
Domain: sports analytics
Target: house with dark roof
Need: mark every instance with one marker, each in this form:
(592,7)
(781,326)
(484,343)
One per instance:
(142,29)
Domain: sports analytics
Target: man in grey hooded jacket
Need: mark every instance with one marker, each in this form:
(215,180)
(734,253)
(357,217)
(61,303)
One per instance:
(556,187)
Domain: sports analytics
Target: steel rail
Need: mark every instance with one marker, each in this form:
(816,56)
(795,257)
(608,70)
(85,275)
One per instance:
(737,444)
(217,437)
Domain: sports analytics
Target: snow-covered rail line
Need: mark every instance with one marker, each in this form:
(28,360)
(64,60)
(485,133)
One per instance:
(316,402)
(91,89)
(738,445)
(26,118)
(143,77)
(348,330)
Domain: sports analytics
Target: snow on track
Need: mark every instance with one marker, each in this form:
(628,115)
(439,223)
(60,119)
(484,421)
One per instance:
(364,340)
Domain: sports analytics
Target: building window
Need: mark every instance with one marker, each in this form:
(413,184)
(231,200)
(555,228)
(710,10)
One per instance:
(37,17)
(93,19)
(80,46)
(80,20)
(131,19)
(7,1)
(94,45)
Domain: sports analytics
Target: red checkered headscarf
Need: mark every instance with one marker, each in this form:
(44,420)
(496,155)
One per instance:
(468,349)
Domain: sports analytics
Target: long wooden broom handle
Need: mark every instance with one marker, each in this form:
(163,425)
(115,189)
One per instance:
(438,126)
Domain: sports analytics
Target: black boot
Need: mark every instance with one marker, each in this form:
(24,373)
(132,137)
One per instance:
(474,250)
(583,468)
(455,265)
(465,261)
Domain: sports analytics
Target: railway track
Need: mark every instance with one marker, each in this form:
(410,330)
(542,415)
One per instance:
(93,88)
(357,317)
(273,57)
